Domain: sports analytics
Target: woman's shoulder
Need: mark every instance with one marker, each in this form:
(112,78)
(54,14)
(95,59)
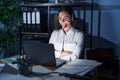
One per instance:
(78,31)
(56,30)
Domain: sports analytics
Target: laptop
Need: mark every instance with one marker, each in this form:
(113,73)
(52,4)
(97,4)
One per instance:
(41,53)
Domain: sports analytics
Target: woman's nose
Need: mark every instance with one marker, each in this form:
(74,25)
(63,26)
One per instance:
(62,20)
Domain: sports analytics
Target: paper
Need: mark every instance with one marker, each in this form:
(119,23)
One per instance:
(20,77)
(57,78)
(41,69)
(1,66)
(17,77)
(9,68)
(10,59)
(78,67)
(71,69)
(82,62)
(7,74)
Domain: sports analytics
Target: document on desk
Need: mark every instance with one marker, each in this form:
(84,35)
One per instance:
(1,66)
(6,75)
(46,73)
(10,59)
(20,77)
(41,69)
(78,67)
(9,68)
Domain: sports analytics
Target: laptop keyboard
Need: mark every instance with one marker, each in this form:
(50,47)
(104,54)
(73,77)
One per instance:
(59,62)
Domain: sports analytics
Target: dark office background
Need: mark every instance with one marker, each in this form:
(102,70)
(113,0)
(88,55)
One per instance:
(109,24)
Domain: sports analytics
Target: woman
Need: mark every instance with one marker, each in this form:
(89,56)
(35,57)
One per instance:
(68,41)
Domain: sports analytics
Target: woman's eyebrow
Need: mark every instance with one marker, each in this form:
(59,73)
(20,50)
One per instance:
(66,16)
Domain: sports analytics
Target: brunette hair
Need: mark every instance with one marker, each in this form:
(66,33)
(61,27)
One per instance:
(67,9)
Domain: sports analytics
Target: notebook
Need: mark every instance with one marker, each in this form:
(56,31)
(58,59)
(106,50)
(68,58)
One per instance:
(41,53)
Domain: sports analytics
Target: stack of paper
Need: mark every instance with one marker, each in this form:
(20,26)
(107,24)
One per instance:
(78,67)
(10,59)
(9,68)
(8,71)
(41,69)
(1,66)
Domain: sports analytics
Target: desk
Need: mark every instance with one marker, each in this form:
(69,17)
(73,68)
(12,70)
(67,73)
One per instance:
(86,77)
(53,69)
(78,69)
(12,73)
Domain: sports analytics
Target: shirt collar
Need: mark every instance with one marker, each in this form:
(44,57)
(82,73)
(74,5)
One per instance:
(70,32)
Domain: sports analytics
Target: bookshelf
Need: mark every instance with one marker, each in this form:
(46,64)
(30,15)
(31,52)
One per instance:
(44,27)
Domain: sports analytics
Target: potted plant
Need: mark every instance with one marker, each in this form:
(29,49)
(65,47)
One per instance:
(9,22)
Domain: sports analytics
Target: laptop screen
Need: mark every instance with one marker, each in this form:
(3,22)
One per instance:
(41,53)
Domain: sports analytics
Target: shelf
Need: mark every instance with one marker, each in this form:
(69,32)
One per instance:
(82,3)
(44,37)
(34,33)
(55,4)
(45,17)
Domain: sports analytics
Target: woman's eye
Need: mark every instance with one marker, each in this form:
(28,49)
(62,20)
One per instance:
(66,18)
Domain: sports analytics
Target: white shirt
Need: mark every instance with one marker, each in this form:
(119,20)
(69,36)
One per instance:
(71,41)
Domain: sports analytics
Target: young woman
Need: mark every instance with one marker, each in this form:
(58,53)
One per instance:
(68,41)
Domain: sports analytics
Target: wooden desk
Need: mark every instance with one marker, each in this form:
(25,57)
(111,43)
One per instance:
(86,77)
(2,62)
(75,77)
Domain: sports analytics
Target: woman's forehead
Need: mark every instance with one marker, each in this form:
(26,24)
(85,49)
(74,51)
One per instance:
(63,14)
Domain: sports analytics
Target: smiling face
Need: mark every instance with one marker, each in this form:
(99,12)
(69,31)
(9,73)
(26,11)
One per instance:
(65,20)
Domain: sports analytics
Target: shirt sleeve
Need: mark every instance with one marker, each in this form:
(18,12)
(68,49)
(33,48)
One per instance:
(52,41)
(57,54)
(52,38)
(78,48)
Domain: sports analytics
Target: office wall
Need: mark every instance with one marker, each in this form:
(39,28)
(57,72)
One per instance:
(110,22)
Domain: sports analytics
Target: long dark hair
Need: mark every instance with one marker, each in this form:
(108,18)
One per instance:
(67,9)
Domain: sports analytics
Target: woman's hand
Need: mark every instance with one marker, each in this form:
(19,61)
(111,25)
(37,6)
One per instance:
(65,53)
